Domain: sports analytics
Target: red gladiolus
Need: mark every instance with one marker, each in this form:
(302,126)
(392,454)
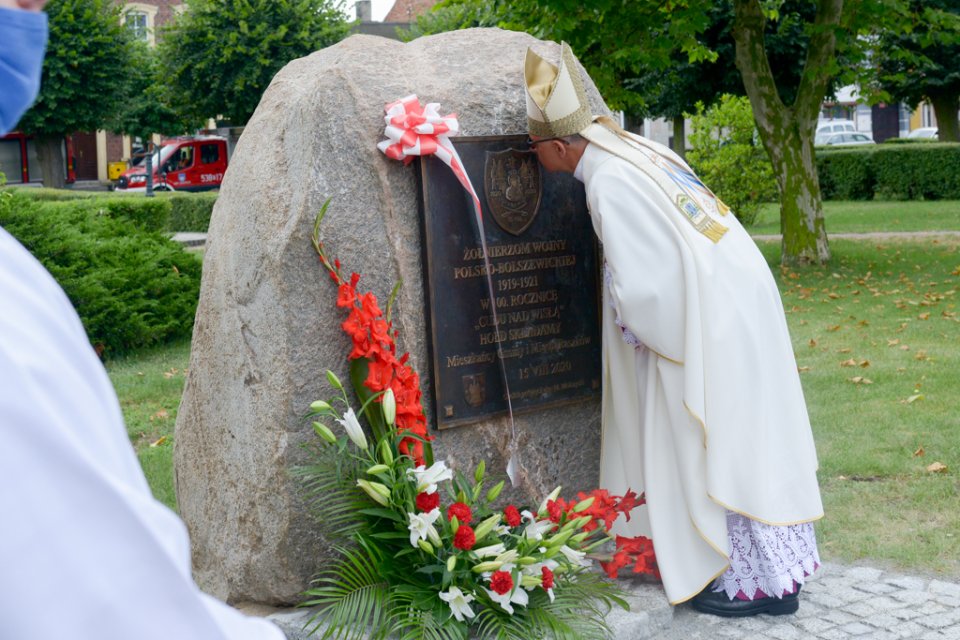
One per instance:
(465,538)
(511,516)
(547,577)
(637,551)
(427,502)
(462,511)
(501,582)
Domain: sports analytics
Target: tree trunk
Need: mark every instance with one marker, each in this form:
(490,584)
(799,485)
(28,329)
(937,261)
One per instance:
(680,136)
(787,132)
(945,108)
(50,155)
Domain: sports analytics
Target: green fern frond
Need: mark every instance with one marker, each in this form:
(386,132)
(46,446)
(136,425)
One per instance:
(352,596)
(328,489)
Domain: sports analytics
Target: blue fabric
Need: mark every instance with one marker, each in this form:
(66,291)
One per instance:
(23,40)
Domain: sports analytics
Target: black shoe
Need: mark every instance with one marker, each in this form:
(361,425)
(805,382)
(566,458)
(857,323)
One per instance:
(718,604)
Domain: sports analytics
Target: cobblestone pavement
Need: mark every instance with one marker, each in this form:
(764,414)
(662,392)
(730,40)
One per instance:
(842,602)
(838,603)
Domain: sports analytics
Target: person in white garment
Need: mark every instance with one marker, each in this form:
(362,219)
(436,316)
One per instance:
(702,404)
(85,551)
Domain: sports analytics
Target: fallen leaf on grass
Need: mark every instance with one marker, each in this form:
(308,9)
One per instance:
(844,350)
(812,342)
(864,364)
(904,347)
(919,452)
(924,316)
(803,369)
(159,441)
(169,374)
(912,399)
(921,355)
(937,467)
(160,415)
(955,272)
(849,363)
(893,343)
(860,380)
(834,327)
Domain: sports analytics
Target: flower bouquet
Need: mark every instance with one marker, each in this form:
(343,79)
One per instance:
(428,551)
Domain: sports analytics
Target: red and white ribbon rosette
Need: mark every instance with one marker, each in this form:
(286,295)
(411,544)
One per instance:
(419,130)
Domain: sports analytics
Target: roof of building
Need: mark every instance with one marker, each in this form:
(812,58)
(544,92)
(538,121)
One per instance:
(407,11)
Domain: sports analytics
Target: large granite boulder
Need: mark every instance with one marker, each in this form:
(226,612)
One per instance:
(267,327)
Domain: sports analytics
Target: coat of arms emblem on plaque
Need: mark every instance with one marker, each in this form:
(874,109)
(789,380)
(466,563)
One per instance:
(513,188)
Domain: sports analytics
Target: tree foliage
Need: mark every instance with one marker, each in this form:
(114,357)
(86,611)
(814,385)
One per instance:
(919,62)
(727,155)
(83,84)
(147,108)
(220,55)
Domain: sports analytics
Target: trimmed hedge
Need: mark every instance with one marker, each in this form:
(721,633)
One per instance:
(172,212)
(190,212)
(131,286)
(891,172)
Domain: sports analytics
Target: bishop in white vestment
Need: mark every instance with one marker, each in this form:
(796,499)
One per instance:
(702,404)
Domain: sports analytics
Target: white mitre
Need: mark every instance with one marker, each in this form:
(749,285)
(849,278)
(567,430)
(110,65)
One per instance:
(556,101)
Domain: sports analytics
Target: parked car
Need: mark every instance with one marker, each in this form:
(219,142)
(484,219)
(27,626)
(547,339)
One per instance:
(846,139)
(924,133)
(181,164)
(826,128)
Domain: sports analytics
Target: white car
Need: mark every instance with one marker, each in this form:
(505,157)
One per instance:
(826,128)
(846,139)
(923,133)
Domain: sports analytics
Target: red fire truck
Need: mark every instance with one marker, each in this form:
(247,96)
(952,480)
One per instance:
(181,164)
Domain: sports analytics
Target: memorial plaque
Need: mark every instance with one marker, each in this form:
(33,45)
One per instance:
(543,261)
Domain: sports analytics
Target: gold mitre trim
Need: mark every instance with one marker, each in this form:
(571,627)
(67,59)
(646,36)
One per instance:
(557,103)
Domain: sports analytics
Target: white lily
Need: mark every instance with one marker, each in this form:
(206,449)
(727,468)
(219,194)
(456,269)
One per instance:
(535,530)
(352,426)
(575,557)
(428,478)
(421,524)
(459,603)
(507,600)
(492,550)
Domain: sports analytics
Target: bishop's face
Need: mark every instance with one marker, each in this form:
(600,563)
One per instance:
(551,152)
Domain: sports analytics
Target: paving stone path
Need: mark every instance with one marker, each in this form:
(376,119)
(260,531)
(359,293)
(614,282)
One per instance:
(840,602)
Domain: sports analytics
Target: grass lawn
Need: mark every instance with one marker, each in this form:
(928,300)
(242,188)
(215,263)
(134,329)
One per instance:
(149,385)
(864,217)
(877,338)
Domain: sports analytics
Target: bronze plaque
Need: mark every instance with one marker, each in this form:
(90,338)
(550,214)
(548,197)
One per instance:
(543,260)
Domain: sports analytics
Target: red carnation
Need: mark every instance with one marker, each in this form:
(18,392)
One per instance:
(501,582)
(547,578)
(427,502)
(464,539)
(511,515)
(460,510)
(555,509)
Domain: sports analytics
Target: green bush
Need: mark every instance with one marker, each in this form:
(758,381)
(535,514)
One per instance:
(190,212)
(176,211)
(918,172)
(729,158)
(131,287)
(922,171)
(846,173)
(150,214)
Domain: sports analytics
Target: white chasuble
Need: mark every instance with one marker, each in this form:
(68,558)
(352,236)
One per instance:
(708,414)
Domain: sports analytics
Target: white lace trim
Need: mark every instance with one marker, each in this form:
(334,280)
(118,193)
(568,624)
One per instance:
(628,335)
(766,557)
